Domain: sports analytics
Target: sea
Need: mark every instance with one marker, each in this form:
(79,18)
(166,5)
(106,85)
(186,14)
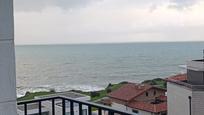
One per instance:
(91,67)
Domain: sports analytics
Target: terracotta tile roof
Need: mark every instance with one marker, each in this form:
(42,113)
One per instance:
(146,106)
(129,91)
(106,101)
(162,97)
(179,77)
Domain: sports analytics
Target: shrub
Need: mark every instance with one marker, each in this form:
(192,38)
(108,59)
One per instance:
(95,94)
(27,93)
(109,90)
(52,90)
(109,85)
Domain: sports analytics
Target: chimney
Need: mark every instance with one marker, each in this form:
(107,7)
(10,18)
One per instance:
(195,72)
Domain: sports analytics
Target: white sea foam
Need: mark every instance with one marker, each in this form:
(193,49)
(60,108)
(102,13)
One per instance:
(183,66)
(21,91)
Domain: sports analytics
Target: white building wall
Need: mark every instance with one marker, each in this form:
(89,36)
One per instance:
(85,98)
(58,109)
(33,111)
(7,60)
(145,113)
(124,108)
(198,103)
(178,101)
(121,107)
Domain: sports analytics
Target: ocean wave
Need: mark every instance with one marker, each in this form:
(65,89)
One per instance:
(183,66)
(21,91)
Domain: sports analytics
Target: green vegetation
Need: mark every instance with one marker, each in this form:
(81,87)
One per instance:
(29,96)
(156,82)
(95,95)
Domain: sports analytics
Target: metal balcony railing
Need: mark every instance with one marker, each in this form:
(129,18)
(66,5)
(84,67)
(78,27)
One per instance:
(108,110)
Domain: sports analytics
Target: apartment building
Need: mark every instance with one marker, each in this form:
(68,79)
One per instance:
(140,99)
(185,92)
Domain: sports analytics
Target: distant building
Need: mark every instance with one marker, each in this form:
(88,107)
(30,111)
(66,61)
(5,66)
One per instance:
(140,99)
(47,105)
(33,109)
(185,92)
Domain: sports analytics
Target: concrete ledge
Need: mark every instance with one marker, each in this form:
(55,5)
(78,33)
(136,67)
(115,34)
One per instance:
(195,65)
(4,37)
(6,19)
(7,70)
(8,108)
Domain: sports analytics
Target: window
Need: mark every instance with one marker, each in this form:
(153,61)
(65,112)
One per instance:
(43,113)
(84,112)
(164,114)
(155,92)
(147,94)
(189,97)
(135,111)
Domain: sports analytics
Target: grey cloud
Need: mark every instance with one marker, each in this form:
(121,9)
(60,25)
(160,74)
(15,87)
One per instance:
(38,5)
(153,8)
(182,4)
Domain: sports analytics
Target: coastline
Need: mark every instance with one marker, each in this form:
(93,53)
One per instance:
(95,95)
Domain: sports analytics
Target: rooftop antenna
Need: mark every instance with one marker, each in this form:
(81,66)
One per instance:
(203,55)
(203,66)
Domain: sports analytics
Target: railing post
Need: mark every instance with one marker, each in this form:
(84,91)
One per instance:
(80,109)
(189,104)
(40,108)
(63,107)
(64,100)
(71,108)
(89,110)
(99,111)
(110,112)
(25,109)
(53,106)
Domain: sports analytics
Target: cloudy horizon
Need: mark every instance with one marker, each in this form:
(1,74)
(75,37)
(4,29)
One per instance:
(107,21)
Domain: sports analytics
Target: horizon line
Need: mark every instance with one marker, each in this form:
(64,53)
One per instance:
(92,43)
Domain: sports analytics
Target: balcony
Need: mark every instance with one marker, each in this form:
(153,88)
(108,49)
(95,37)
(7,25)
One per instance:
(68,104)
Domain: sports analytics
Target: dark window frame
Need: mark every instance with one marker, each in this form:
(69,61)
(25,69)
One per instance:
(147,94)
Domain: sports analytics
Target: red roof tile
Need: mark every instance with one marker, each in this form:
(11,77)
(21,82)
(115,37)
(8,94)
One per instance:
(130,91)
(106,101)
(162,97)
(179,77)
(146,106)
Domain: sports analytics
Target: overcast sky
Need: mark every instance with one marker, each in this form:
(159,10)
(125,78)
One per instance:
(99,21)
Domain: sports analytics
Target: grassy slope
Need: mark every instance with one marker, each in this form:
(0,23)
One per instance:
(100,94)
(103,93)
(30,96)
(157,82)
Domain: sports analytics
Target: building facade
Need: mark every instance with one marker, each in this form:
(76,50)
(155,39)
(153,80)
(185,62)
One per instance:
(140,99)
(186,92)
